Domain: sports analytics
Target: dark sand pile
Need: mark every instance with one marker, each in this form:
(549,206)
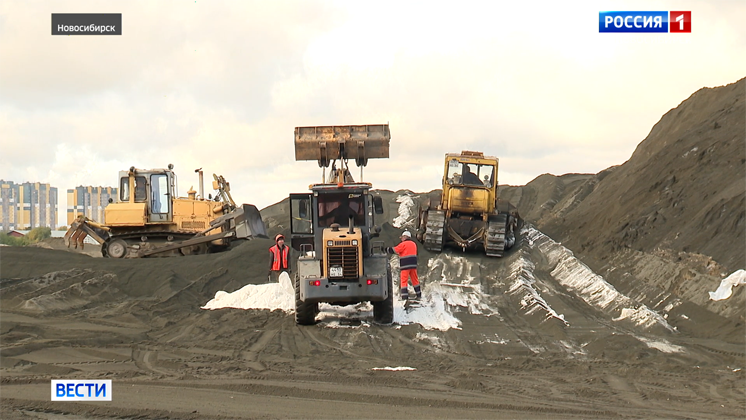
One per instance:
(669,220)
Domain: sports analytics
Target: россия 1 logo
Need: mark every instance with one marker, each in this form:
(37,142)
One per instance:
(659,21)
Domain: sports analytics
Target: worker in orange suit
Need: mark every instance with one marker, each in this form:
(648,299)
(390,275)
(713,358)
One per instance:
(407,251)
(279,259)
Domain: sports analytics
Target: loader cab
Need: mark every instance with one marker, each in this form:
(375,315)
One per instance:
(328,205)
(153,189)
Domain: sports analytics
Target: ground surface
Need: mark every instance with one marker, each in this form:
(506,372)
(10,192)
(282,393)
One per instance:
(529,344)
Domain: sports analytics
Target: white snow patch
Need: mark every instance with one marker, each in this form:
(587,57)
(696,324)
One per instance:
(407,212)
(589,286)
(522,276)
(661,345)
(394,369)
(725,290)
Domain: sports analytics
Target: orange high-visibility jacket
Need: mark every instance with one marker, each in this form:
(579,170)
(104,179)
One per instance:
(278,258)
(407,251)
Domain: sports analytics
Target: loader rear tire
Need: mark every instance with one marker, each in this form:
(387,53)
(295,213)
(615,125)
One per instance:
(383,311)
(305,313)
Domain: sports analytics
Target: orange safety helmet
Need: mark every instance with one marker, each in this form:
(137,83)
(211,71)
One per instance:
(279,235)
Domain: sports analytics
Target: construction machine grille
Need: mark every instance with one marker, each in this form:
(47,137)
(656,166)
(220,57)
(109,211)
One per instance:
(342,243)
(345,256)
(192,224)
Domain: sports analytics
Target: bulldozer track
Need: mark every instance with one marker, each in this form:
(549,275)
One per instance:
(156,237)
(495,242)
(434,230)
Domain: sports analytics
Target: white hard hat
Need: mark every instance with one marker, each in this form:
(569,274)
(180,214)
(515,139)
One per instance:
(407,234)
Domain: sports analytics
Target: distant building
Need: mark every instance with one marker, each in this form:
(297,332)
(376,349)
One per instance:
(27,206)
(90,201)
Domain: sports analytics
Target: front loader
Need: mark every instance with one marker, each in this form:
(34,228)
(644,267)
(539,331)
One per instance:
(333,226)
(151,220)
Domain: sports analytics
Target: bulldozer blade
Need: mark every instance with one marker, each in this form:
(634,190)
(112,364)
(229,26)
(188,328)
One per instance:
(249,223)
(71,232)
(78,232)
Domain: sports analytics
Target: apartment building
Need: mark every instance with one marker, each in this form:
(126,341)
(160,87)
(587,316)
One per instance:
(27,205)
(90,201)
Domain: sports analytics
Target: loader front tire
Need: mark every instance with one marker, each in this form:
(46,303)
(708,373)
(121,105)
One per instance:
(305,313)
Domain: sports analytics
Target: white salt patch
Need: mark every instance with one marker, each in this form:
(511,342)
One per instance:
(589,286)
(394,369)
(661,345)
(725,290)
(432,313)
(522,276)
(489,340)
(258,296)
(407,212)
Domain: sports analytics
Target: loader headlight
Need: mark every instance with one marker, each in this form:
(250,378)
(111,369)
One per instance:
(329,243)
(354,242)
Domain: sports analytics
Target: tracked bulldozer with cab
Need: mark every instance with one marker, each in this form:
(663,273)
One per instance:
(468,214)
(150,220)
(333,226)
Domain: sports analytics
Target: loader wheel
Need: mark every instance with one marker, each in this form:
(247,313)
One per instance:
(305,313)
(383,312)
(117,248)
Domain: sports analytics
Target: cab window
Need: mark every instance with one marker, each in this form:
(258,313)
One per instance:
(337,208)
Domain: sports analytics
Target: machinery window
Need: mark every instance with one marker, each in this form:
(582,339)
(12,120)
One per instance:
(124,190)
(140,193)
(300,214)
(470,174)
(159,193)
(337,208)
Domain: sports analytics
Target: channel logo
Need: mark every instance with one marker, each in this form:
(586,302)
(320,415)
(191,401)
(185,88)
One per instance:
(660,21)
(81,390)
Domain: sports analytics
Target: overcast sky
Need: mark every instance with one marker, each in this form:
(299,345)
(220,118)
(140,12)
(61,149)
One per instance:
(222,84)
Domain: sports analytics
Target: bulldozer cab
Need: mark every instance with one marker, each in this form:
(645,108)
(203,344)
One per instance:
(154,188)
(469,183)
(471,174)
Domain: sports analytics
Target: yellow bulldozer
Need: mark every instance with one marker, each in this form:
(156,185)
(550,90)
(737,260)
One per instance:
(151,220)
(469,214)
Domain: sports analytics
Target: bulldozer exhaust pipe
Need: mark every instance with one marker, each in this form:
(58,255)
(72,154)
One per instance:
(201,184)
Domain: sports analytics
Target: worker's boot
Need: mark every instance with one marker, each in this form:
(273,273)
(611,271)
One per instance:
(404,293)
(418,291)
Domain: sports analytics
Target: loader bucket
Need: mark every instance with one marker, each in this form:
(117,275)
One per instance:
(358,142)
(249,222)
